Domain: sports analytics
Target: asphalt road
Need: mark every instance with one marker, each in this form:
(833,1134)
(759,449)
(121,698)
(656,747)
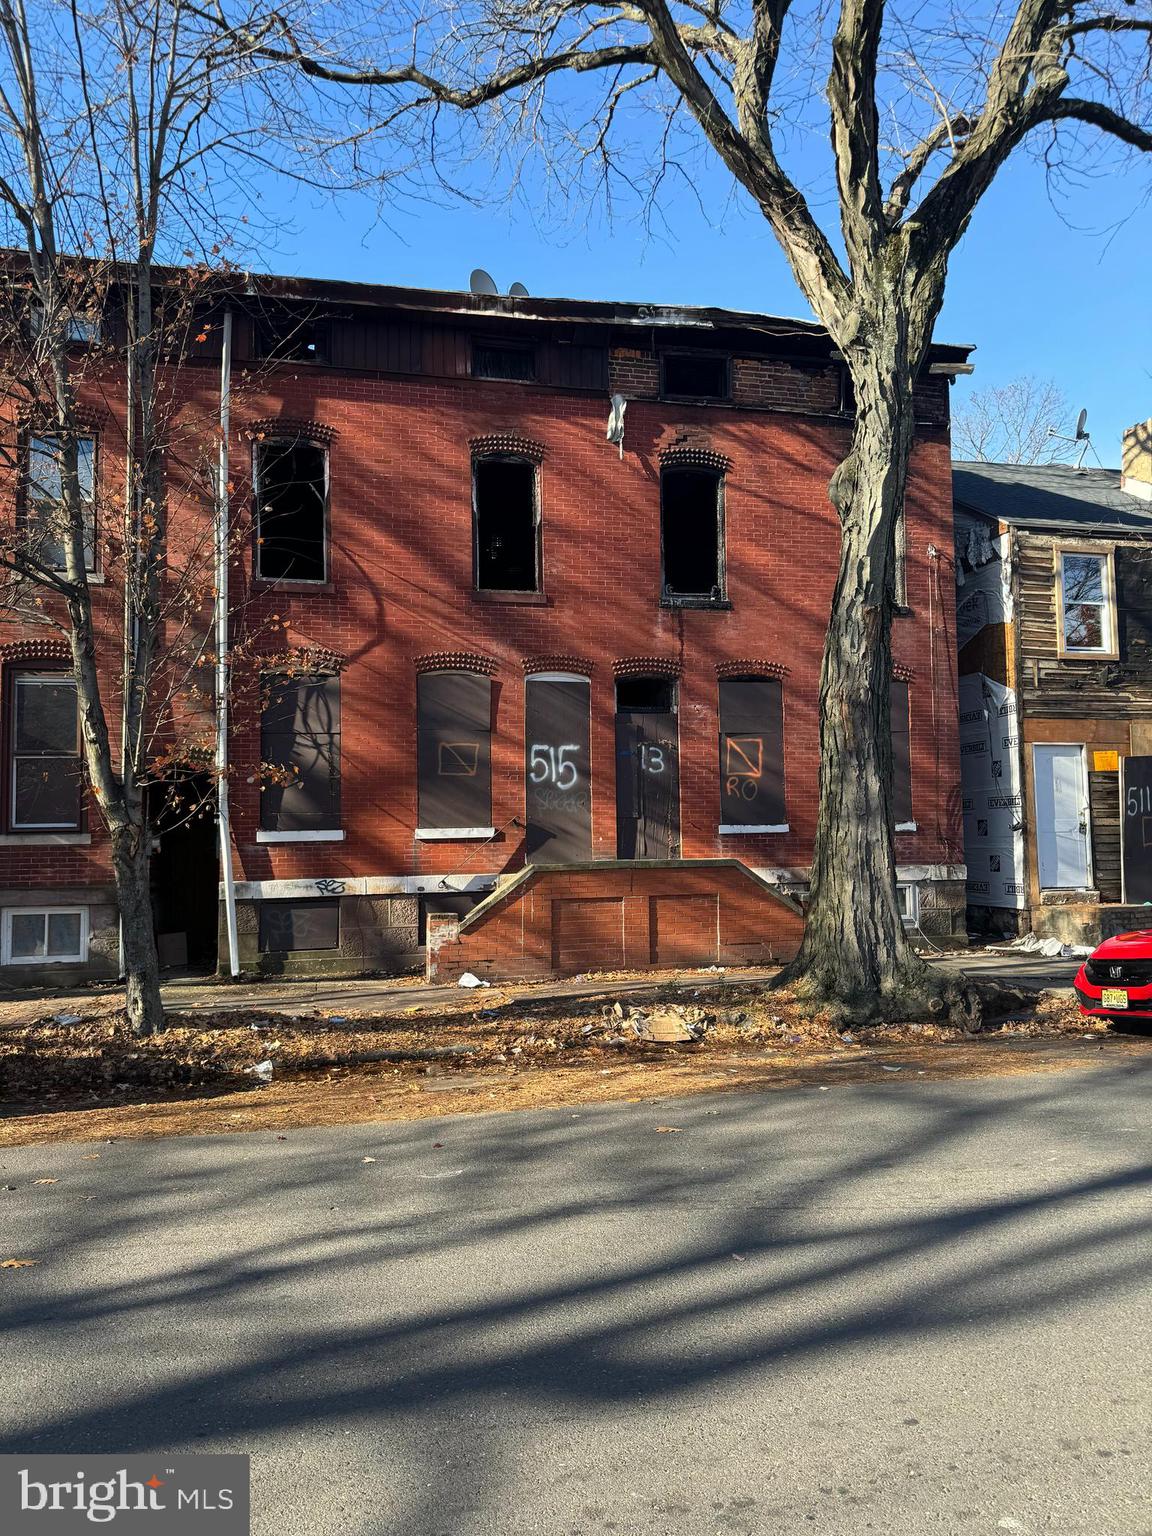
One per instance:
(914,1308)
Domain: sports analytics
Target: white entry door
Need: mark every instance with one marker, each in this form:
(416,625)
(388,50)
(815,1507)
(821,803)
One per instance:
(1061,817)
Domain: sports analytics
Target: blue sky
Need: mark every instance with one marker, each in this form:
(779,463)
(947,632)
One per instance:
(1059,294)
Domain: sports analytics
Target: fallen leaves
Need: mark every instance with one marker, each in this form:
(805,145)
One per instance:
(45,1181)
(668,1130)
(18,1263)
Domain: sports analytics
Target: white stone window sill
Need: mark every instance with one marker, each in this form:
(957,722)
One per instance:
(300,837)
(905,826)
(453,834)
(741,831)
(45,840)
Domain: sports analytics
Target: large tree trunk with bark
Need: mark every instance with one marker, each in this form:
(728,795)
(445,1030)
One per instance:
(142,1002)
(855,954)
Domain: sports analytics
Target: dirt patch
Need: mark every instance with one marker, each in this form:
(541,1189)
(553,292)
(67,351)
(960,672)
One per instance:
(85,1077)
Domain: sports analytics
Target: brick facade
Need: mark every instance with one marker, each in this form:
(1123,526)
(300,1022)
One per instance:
(400,597)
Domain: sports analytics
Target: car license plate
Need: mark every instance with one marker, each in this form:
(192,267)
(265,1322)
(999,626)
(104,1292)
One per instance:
(1114,997)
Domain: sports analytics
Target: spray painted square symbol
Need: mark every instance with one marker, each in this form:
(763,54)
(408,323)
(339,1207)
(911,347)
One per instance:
(458,759)
(744,756)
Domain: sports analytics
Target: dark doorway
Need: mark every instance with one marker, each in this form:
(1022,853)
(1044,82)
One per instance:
(185,872)
(647,769)
(558,796)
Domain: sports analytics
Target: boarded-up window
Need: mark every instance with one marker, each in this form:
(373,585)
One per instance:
(751,752)
(300,746)
(557,791)
(507,525)
(44,757)
(901,753)
(290,925)
(291,510)
(454,761)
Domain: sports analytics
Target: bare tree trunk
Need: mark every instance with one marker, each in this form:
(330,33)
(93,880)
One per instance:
(142,1002)
(855,954)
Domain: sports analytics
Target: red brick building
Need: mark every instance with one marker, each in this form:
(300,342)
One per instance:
(508,638)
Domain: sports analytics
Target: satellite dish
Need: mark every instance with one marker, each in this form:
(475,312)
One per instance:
(481,282)
(1081,423)
(517,291)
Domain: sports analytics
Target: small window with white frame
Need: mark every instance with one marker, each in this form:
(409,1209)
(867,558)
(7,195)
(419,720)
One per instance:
(44,935)
(1086,604)
(908,904)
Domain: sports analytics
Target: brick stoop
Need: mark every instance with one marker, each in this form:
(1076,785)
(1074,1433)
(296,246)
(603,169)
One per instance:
(616,914)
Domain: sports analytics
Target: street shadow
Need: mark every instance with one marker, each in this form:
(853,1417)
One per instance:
(546,1268)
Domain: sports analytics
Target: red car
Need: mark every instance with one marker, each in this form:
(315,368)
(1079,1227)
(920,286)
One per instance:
(1115,982)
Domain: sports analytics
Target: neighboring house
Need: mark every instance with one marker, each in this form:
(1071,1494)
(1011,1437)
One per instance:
(1054,627)
(506,638)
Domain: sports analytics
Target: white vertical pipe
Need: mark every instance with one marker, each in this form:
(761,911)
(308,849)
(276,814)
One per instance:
(222,528)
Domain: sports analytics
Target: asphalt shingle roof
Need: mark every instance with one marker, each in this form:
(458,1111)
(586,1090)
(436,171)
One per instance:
(1049,496)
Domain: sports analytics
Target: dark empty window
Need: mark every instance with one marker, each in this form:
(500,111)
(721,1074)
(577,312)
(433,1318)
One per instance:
(651,694)
(291,510)
(300,748)
(286,335)
(899,704)
(507,525)
(44,753)
(454,757)
(691,534)
(751,752)
(291,925)
(696,377)
(493,360)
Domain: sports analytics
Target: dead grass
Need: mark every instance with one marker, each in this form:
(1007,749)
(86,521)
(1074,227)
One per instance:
(90,1079)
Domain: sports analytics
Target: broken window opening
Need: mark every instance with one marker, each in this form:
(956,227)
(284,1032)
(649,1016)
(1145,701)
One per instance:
(44,514)
(507,525)
(290,336)
(291,510)
(656,695)
(696,376)
(692,534)
(500,360)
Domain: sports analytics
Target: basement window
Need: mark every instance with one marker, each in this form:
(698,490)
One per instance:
(501,360)
(507,525)
(696,376)
(692,536)
(44,935)
(291,510)
(288,926)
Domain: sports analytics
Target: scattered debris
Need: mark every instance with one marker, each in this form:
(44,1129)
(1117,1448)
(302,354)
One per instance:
(263,1070)
(668,1130)
(18,1263)
(66,1019)
(468,980)
(45,1181)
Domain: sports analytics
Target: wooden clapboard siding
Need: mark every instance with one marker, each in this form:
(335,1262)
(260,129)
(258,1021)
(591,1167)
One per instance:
(1119,689)
(1104,804)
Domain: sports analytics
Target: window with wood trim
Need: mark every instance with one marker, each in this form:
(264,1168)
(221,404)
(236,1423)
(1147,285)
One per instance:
(752,752)
(291,481)
(692,535)
(1086,603)
(300,754)
(696,376)
(44,781)
(286,334)
(899,710)
(503,360)
(454,751)
(43,514)
(506,517)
